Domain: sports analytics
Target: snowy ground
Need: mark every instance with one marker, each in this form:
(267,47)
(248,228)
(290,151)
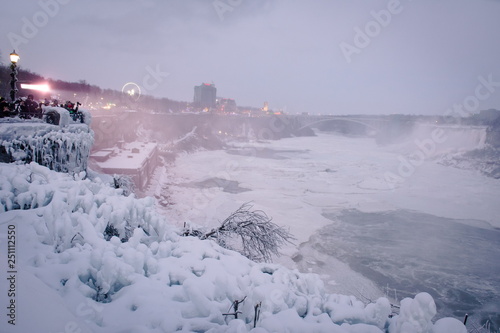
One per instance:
(298,180)
(60,272)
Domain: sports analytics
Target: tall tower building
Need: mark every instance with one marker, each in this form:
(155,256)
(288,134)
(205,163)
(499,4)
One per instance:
(205,95)
(266,107)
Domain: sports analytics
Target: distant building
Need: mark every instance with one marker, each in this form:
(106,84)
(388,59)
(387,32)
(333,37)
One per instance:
(226,105)
(137,160)
(205,95)
(266,107)
(489,115)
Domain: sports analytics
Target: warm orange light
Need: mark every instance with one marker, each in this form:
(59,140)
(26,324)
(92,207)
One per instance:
(14,57)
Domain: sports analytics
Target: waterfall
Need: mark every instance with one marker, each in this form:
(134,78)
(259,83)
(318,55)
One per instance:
(437,140)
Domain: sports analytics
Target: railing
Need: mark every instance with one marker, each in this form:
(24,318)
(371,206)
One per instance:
(50,116)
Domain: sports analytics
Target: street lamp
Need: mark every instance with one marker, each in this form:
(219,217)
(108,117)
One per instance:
(14,58)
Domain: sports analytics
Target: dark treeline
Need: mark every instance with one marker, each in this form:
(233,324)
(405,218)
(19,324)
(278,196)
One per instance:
(87,94)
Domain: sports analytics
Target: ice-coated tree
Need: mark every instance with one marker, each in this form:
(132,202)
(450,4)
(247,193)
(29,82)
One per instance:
(126,183)
(250,232)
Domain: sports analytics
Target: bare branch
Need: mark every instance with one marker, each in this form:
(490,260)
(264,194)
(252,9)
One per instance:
(250,232)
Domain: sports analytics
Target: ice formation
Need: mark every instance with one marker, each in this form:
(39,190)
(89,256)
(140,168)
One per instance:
(62,148)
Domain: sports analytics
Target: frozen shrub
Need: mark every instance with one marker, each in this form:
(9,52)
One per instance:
(110,231)
(250,232)
(126,183)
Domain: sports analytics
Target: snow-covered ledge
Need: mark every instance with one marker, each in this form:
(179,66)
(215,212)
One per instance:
(64,148)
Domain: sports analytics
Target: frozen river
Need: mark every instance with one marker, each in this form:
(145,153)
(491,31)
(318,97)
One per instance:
(435,229)
(405,252)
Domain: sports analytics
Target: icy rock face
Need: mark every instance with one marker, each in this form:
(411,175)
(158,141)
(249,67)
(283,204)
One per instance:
(64,149)
(155,280)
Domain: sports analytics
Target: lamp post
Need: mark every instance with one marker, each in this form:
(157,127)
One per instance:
(14,58)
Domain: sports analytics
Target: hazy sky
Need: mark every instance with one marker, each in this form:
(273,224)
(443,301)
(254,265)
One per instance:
(322,56)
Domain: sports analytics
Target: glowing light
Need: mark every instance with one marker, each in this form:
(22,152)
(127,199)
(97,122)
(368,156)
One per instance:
(39,87)
(14,57)
(108,106)
(132,89)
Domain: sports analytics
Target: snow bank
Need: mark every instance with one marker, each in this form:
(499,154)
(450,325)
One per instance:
(149,279)
(87,117)
(416,314)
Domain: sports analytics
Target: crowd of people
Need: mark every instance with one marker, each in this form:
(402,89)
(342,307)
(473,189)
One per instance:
(28,108)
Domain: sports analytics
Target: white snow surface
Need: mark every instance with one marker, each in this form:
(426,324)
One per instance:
(333,173)
(70,279)
(131,156)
